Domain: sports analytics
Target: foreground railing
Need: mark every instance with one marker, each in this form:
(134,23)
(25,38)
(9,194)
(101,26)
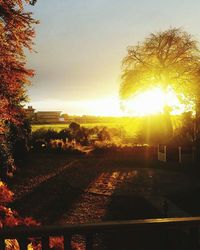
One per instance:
(22,234)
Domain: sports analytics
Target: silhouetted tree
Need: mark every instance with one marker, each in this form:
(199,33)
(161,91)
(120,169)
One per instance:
(185,134)
(165,59)
(19,138)
(16,34)
(74,126)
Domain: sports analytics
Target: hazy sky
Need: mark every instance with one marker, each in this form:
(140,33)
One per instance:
(80,45)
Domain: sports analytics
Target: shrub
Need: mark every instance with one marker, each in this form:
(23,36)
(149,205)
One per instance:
(104,135)
(18,136)
(10,218)
(6,161)
(65,135)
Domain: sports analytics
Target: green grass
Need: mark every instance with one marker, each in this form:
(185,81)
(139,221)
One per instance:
(56,127)
(130,124)
(130,128)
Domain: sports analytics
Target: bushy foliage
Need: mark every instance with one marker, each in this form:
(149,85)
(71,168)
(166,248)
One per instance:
(185,134)
(42,137)
(166,59)
(103,135)
(14,145)
(9,217)
(73,137)
(65,135)
(16,33)
(144,152)
(19,136)
(73,126)
(6,160)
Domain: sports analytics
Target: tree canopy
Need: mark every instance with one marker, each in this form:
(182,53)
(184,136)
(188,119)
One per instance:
(16,34)
(164,59)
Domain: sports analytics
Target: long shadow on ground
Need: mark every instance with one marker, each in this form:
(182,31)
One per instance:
(136,207)
(48,201)
(51,199)
(188,201)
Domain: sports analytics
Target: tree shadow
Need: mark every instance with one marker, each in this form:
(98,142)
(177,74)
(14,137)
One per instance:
(132,207)
(51,199)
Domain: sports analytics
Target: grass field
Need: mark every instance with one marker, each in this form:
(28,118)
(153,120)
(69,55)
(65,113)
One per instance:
(131,128)
(58,127)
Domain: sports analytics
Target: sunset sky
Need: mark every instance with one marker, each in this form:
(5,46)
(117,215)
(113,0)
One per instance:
(80,45)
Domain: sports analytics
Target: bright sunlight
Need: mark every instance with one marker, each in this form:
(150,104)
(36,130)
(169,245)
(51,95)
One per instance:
(153,101)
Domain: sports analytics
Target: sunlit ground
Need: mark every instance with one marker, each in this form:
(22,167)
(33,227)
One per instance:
(145,182)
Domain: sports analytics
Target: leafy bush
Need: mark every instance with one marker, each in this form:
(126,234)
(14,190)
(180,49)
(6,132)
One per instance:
(18,136)
(65,135)
(10,218)
(6,161)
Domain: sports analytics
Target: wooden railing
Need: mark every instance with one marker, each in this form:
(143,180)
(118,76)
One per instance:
(22,234)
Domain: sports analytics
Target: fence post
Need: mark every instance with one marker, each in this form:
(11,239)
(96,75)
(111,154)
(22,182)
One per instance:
(89,241)
(45,243)
(22,243)
(165,153)
(194,242)
(2,243)
(162,156)
(67,242)
(179,154)
(193,154)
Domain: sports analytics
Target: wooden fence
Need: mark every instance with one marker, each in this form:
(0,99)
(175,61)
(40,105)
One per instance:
(181,154)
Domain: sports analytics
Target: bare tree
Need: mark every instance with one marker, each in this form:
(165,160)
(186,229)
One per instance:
(169,58)
(164,59)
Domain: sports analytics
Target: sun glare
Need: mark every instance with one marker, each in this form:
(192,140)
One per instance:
(153,101)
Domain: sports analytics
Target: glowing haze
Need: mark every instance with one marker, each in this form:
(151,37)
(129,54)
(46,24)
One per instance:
(153,101)
(80,46)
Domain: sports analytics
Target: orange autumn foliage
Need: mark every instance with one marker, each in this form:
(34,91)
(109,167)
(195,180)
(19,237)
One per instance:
(16,34)
(8,217)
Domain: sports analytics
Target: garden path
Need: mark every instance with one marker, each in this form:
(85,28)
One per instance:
(153,185)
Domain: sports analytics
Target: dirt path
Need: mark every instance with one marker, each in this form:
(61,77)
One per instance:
(137,187)
(94,203)
(29,185)
(91,190)
(122,195)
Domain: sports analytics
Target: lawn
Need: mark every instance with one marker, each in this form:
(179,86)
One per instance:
(131,128)
(131,125)
(59,127)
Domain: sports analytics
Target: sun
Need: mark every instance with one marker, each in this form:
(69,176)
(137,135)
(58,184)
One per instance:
(153,101)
